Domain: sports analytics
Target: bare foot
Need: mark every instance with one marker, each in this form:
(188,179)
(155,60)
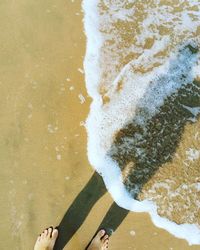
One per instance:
(47,239)
(100,241)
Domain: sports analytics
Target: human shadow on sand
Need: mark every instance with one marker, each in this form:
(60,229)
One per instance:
(149,140)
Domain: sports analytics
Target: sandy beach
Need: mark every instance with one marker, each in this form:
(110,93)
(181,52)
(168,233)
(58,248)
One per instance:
(43,145)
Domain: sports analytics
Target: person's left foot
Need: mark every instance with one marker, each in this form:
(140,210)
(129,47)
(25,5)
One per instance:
(47,239)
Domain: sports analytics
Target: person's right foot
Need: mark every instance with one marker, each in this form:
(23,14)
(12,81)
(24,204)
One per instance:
(100,241)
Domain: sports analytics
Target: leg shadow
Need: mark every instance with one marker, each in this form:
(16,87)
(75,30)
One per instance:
(79,209)
(112,220)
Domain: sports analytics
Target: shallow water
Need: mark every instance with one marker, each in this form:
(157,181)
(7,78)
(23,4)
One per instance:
(142,71)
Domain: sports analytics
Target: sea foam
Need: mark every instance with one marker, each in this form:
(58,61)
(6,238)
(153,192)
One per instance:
(136,57)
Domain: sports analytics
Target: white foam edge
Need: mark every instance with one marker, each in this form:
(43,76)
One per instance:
(93,45)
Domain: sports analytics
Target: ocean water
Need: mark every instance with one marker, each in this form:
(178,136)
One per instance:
(142,68)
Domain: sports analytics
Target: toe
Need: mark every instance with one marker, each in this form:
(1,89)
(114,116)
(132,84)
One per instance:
(55,233)
(105,238)
(101,233)
(50,230)
(106,243)
(38,238)
(44,234)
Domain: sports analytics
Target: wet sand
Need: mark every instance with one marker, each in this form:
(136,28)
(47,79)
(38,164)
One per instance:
(44,162)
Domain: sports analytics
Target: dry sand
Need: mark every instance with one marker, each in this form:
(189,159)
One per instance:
(43,156)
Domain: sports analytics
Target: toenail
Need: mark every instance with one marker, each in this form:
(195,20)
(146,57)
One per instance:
(55,231)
